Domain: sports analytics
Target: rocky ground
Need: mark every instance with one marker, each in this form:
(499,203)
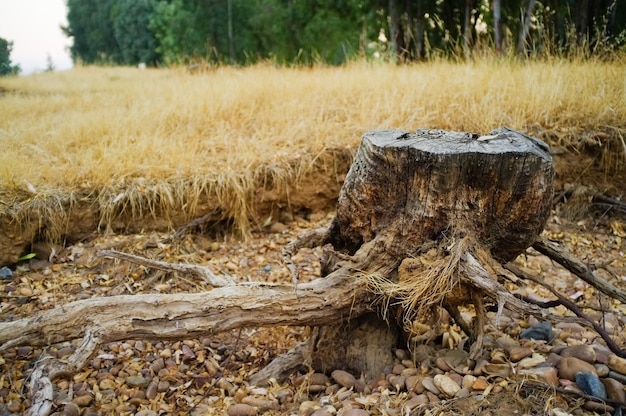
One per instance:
(208,376)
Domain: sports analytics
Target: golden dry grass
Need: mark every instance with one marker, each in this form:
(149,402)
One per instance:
(163,137)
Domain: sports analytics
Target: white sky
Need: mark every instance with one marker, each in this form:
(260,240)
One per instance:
(34,28)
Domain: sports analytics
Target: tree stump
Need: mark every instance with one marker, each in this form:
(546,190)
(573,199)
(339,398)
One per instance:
(419,217)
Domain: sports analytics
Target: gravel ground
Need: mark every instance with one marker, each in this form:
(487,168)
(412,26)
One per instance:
(209,376)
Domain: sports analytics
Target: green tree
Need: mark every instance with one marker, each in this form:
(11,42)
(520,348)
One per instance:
(130,20)
(6,66)
(90,26)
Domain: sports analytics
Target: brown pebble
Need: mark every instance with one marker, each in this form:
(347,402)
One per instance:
(152,390)
(343,378)
(356,412)
(14,406)
(65,352)
(598,407)
(241,409)
(398,383)
(397,369)
(429,384)
(157,365)
(446,385)
(546,374)
(163,386)
(71,409)
(517,353)
(616,363)
(583,352)
(319,379)
(412,403)
(83,401)
(24,351)
(569,366)
(441,364)
(188,353)
(321,412)
(260,403)
(614,390)
(480,384)
(413,383)
(316,388)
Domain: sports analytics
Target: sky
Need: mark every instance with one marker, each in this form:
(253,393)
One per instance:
(34,28)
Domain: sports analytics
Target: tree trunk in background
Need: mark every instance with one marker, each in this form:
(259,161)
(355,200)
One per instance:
(497,25)
(419,31)
(525,29)
(467,34)
(395,31)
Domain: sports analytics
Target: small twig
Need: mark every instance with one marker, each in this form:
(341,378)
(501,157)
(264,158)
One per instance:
(203,273)
(580,269)
(572,307)
(183,229)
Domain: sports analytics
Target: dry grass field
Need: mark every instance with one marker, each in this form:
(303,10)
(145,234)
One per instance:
(131,143)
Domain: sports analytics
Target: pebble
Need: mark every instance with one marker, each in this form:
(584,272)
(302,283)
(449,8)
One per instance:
(616,363)
(152,390)
(546,374)
(146,413)
(569,366)
(71,409)
(241,409)
(614,390)
(479,384)
(260,403)
(5,273)
(429,384)
(413,402)
(343,378)
(591,384)
(540,332)
(517,353)
(583,352)
(83,401)
(356,412)
(137,381)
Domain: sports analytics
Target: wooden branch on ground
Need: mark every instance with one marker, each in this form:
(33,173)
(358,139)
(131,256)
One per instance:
(191,315)
(203,273)
(579,268)
(476,275)
(572,307)
(50,368)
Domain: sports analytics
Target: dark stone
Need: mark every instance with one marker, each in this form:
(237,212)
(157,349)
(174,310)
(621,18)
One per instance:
(591,384)
(5,273)
(539,332)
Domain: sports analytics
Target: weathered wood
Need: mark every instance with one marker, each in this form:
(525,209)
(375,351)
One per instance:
(204,273)
(579,268)
(413,187)
(336,298)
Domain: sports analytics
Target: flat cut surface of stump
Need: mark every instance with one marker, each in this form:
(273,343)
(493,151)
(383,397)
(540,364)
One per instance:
(407,188)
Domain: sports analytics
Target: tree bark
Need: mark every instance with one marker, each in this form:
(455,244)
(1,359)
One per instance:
(525,29)
(497,25)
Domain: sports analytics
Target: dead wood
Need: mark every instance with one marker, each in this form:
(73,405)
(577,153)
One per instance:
(579,269)
(204,273)
(562,300)
(336,298)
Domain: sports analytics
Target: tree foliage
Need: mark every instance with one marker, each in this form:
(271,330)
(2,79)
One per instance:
(6,66)
(307,31)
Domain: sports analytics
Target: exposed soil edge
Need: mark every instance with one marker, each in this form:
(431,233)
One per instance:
(593,159)
(302,187)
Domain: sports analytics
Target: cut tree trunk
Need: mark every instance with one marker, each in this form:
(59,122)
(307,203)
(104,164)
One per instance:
(416,205)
